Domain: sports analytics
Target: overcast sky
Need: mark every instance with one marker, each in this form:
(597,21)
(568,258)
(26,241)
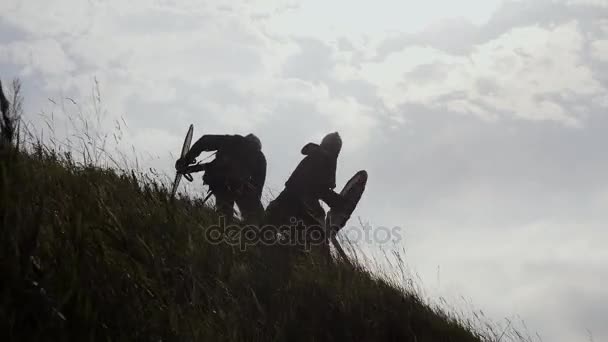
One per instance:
(482,123)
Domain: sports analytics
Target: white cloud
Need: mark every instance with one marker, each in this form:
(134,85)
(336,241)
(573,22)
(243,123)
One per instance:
(45,56)
(597,3)
(372,19)
(516,74)
(354,121)
(49,18)
(599,50)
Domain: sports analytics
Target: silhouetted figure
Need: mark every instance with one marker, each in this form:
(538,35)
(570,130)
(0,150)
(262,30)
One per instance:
(4,104)
(6,122)
(313,179)
(237,174)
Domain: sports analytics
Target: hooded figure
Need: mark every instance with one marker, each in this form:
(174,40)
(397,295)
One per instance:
(237,174)
(313,179)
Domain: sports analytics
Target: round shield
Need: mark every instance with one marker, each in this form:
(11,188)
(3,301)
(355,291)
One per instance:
(352,192)
(185,149)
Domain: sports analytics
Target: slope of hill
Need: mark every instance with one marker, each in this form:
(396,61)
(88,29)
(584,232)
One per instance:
(92,254)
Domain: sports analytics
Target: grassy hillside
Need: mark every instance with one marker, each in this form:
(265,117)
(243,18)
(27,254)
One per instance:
(89,254)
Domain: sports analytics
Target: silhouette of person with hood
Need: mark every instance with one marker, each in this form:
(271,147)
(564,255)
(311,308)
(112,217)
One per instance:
(313,179)
(236,175)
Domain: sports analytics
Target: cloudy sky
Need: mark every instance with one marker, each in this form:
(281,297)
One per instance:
(482,123)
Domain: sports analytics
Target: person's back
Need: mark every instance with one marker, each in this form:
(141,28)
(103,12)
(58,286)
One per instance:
(314,174)
(237,174)
(238,163)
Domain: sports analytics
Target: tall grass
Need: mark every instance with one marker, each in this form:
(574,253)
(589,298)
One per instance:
(89,253)
(93,253)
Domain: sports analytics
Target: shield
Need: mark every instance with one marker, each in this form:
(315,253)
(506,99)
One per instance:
(336,219)
(185,149)
(351,193)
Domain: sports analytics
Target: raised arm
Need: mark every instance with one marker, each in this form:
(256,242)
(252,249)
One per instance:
(333,199)
(210,142)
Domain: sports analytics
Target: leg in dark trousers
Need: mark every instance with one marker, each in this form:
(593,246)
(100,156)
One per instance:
(251,208)
(313,216)
(224,203)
